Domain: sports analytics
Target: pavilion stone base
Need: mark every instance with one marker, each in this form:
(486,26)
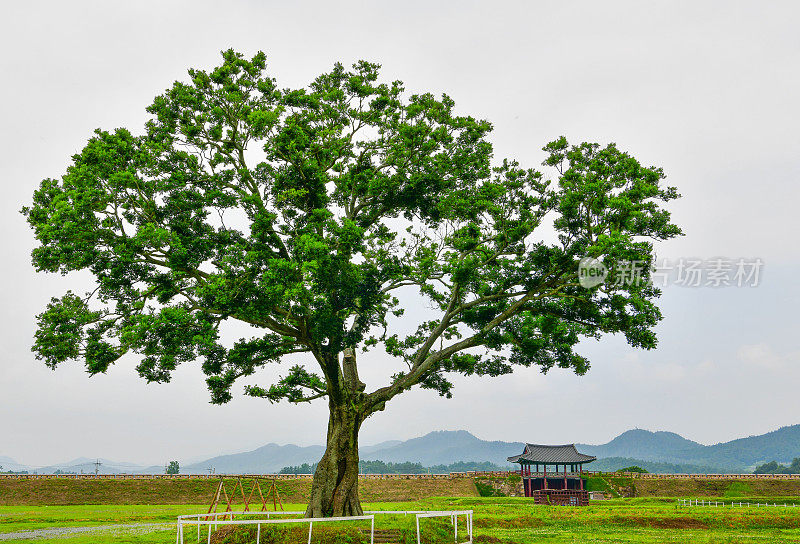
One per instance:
(561,497)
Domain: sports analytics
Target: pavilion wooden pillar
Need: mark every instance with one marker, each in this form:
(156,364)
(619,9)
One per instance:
(525,482)
(545,477)
(565,476)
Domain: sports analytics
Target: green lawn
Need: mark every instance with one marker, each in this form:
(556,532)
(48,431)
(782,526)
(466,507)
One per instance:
(497,519)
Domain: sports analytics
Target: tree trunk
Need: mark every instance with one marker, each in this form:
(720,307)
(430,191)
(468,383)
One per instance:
(334,490)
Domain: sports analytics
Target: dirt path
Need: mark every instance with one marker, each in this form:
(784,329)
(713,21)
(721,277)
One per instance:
(61,532)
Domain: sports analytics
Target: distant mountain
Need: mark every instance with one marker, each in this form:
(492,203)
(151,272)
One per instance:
(738,455)
(267,459)
(366,450)
(645,445)
(446,447)
(655,451)
(84,465)
(781,445)
(436,448)
(75,462)
(10,464)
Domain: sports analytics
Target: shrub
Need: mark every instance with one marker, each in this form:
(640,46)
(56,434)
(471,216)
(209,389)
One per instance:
(633,468)
(486,490)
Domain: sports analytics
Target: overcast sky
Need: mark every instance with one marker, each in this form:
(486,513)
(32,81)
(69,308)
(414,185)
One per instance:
(709,91)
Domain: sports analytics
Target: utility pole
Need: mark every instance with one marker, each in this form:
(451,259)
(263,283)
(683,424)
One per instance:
(97,464)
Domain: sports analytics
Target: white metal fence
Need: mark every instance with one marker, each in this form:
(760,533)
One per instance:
(733,504)
(453,519)
(212,521)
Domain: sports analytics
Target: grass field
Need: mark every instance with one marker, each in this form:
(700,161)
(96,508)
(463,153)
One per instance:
(144,511)
(497,519)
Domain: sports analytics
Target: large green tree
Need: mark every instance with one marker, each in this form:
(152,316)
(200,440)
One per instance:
(305,213)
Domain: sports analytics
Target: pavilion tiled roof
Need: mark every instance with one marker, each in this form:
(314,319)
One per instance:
(539,453)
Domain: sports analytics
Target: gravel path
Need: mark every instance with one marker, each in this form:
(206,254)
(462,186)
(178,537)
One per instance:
(61,532)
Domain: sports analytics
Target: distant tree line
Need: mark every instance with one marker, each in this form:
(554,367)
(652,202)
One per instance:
(12,471)
(614,464)
(381,467)
(773,467)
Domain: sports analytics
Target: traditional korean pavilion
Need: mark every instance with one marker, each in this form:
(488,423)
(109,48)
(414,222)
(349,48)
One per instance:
(562,483)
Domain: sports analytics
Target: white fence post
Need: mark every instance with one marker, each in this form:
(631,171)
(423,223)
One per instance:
(310,526)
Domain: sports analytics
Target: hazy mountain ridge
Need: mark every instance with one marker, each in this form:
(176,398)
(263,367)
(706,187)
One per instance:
(661,451)
(736,455)
(655,451)
(80,465)
(658,446)
(447,447)
(267,459)
(366,450)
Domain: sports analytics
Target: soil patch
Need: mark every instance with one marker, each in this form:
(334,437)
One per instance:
(519,522)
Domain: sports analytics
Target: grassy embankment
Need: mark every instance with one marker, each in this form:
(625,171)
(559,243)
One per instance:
(64,491)
(717,488)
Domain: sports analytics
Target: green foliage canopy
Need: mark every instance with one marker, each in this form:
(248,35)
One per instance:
(773,467)
(633,468)
(303,212)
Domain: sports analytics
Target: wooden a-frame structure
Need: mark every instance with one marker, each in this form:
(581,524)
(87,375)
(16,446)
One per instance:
(238,485)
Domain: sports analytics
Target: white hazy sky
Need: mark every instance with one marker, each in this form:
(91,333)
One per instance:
(708,90)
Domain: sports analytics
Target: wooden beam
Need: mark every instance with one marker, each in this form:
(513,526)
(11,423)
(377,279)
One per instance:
(227,500)
(215,500)
(263,502)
